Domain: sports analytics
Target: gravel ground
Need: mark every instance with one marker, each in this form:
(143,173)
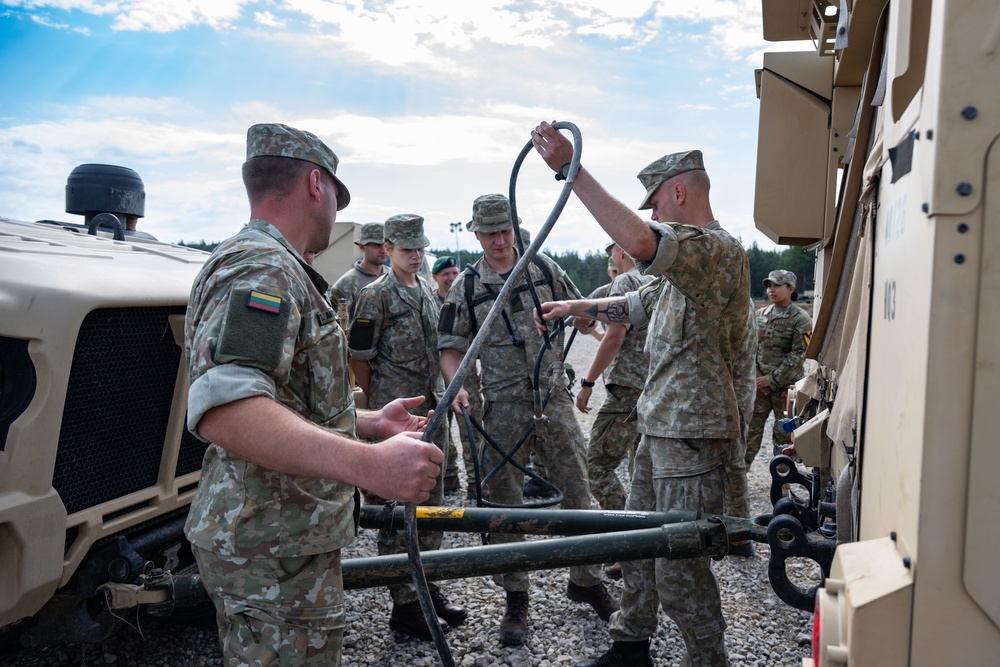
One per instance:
(762,630)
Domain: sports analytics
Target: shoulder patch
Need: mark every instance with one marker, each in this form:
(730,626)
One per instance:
(362,334)
(254,330)
(446,323)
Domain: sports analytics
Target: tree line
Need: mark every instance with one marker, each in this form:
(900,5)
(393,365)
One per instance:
(589,271)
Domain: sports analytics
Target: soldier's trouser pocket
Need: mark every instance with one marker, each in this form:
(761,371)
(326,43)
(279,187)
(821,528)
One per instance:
(689,473)
(278,612)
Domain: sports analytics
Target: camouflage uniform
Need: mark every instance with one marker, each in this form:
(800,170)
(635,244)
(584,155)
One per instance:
(346,288)
(507,369)
(397,335)
(783,336)
(349,286)
(614,432)
(698,315)
(246,520)
(268,543)
(471,385)
(600,292)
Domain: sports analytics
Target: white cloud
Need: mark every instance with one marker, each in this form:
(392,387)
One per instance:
(268,20)
(160,16)
(456,88)
(151,15)
(735,24)
(435,35)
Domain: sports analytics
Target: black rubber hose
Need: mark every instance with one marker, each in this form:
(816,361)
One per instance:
(410,510)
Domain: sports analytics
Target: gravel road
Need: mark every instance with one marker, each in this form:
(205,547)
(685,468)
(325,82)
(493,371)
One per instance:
(762,630)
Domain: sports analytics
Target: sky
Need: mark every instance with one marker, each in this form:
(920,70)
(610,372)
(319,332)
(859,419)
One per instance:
(428,103)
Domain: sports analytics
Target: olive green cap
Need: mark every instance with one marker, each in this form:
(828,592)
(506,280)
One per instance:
(490,213)
(277,140)
(406,230)
(666,168)
(371,232)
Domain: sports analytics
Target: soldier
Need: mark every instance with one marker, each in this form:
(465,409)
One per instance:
(364,272)
(269,390)
(600,292)
(393,348)
(508,360)
(698,312)
(444,273)
(622,360)
(783,332)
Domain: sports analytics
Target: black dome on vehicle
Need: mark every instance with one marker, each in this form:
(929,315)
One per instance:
(105,188)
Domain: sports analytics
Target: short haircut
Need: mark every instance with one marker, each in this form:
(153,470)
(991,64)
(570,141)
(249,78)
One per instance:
(273,176)
(697,178)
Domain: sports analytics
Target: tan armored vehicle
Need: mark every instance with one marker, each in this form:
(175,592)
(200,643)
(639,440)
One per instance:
(876,149)
(96,469)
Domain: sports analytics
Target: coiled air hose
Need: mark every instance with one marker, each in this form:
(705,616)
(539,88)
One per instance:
(410,510)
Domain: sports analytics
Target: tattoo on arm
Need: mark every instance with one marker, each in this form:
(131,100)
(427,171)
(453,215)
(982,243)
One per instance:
(614,311)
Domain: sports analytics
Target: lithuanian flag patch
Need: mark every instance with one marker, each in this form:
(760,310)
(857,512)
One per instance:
(265,302)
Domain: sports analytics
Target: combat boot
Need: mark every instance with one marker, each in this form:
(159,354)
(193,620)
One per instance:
(408,619)
(538,489)
(514,624)
(622,654)
(452,613)
(596,596)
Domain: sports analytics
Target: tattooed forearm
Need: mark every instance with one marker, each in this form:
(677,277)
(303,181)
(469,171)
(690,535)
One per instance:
(614,311)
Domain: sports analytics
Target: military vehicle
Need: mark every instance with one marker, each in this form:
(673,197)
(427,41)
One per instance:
(876,150)
(96,469)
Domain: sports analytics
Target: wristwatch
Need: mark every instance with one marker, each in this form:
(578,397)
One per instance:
(584,383)
(563,172)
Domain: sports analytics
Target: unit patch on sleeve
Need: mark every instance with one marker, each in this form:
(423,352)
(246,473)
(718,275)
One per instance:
(254,330)
(362,334)
(447,321)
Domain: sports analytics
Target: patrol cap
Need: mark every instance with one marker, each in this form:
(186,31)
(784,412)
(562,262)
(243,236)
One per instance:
(442,263)
(406,230)
(609,246)
(666,168)
(277,140)
(490,213)
(371,232)
(780,277)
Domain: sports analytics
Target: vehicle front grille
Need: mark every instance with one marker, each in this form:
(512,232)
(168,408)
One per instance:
(118,402)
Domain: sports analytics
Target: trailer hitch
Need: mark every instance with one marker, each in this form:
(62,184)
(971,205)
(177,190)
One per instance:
(797,530)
